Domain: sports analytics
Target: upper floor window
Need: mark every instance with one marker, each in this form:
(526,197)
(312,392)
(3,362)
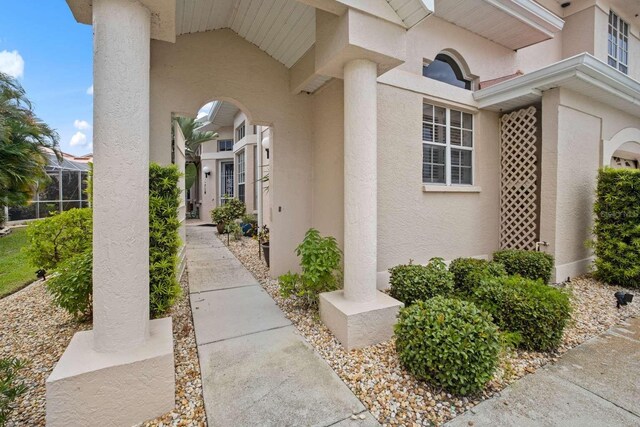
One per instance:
(240,131)
(618,43)
(447,146)
(225,145)
(445,69)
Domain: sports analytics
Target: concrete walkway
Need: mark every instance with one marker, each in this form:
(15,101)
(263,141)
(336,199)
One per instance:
(256,369)
(594,384)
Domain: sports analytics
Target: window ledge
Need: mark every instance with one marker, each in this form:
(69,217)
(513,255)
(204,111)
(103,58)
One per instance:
(429,188)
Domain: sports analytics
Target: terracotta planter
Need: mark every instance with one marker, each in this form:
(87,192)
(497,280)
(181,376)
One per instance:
(265,252)
(220,226)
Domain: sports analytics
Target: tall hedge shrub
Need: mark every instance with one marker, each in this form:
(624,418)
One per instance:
(164,241)
(617,227)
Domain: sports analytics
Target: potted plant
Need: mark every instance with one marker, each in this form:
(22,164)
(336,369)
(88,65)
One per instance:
(220,215)
(263,242)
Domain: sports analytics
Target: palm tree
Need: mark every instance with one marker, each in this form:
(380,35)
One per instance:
(23,136)
(193,137)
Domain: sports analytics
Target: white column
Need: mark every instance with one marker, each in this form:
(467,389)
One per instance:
(360,180)
(120,183)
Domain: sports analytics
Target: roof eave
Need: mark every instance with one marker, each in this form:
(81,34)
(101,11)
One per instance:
(583,67)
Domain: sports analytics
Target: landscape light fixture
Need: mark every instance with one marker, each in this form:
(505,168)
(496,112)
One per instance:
(41,274)
(623,298)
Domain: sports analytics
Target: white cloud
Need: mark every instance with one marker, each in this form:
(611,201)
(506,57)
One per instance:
(90,90)
(11,63)
(81,124)
(78,139)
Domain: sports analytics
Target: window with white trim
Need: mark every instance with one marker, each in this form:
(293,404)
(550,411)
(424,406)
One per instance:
(241,131)
(618,43)
(240,162)
(447,146)
(225,145)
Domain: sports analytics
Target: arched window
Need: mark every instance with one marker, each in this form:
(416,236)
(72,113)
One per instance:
(446,69)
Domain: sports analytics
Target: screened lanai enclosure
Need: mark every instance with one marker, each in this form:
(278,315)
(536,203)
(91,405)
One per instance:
(65,190)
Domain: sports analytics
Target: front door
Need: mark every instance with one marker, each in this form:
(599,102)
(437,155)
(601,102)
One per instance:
(226,181)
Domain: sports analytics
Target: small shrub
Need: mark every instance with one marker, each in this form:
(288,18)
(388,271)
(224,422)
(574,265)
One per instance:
(448,342)
(235,208)
(415,282)
(233,228)
(468,272)
(58,238)
(530,264)
(534,310)
(72,288)
(220,215)
(320,259)
(10,388)
(617,227)
(164,241)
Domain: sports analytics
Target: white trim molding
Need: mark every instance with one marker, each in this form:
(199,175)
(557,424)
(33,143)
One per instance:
(439,188)
(609,147)
(583,73)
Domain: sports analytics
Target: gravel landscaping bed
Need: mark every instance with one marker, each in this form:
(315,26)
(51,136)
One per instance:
(392,395)
(32,328)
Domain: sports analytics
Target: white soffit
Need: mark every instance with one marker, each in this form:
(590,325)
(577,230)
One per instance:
(412,11)
(221,115)
(583,74)
(284,29)
(512,23)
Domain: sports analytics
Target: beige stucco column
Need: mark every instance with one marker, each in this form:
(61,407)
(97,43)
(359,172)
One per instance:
(360,315)
(121,174)
(360,180)
(121,372)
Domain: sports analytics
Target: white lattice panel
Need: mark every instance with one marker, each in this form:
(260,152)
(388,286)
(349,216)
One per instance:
(518,173)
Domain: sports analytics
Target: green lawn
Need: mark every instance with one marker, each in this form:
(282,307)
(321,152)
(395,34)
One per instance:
(15,270)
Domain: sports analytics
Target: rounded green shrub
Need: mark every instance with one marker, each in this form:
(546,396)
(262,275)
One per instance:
(415,282)
(449,342)
(60,237)
(617,227)
(468,272)
(72,287)
(530,264)
(536,311)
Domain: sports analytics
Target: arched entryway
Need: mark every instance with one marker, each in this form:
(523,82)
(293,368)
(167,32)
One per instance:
(623,150)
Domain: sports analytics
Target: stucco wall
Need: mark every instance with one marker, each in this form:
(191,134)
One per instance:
(485,59)
(416,225)
(574,129)
(184,77)
(328,161)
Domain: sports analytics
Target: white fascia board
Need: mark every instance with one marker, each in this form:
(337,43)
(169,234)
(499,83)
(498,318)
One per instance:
(218,155)
(584,67)
(531,14)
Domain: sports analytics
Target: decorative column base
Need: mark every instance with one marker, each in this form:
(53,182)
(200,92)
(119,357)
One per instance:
(123,388)
(358,324)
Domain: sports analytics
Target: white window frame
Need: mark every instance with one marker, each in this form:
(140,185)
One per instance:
(448,146)
(241,168)
(617,35)
(241,131)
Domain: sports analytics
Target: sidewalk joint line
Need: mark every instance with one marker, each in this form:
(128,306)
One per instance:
(222,289)
(247,334)
(348,417)
(602,397)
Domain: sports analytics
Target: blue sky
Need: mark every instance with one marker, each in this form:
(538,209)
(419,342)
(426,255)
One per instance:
(57,54)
